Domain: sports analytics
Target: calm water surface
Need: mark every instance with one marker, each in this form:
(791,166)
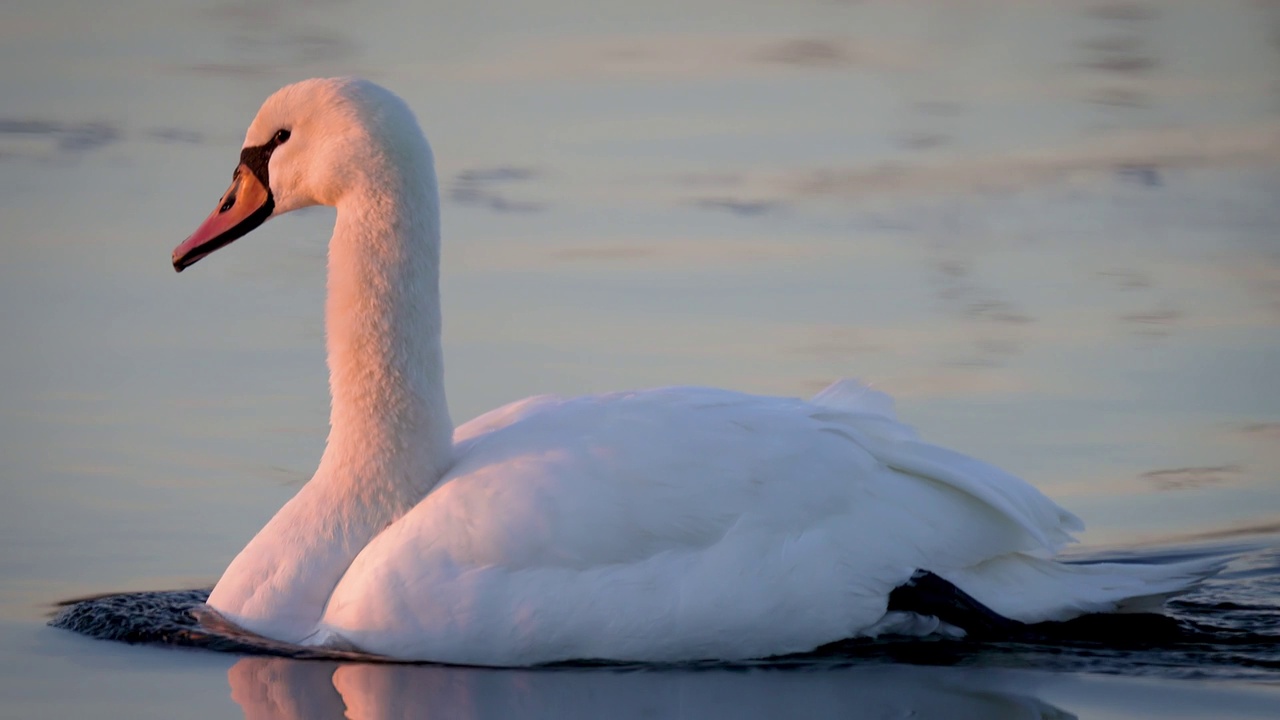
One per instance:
(1048,228)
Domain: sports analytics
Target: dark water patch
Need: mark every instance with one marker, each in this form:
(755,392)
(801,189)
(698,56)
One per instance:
(999,311)
(1157,322)
(1161,316)
(87,136)
(175,618)
(1229,628)
(964,296)
(486,188)
(78,139)
(808,53)
(1219,640)
(741,208)
(22,126)
(1127,279)
(492,200)
(175,135)
(1119,98)
(1261,431)
(993,324)
(496,175)
(1145,174)
(1122,63)
(67,138)
(1118,53)
(923,140)
(1186,478)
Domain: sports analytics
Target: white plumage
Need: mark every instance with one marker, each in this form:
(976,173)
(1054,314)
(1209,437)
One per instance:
(658,525)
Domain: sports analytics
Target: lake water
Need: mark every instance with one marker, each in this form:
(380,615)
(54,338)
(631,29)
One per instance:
(1050,229)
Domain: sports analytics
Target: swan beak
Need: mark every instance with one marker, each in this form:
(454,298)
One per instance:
(245,206)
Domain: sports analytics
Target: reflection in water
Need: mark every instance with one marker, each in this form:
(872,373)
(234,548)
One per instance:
(280,688)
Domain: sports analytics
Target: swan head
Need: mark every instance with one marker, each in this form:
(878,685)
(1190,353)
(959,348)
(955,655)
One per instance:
(311,143)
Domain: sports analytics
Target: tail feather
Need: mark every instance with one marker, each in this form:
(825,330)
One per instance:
(1025,584)
(870,413)
(853,396)
(1033,590)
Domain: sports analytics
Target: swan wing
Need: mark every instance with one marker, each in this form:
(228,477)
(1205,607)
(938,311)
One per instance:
(671,524)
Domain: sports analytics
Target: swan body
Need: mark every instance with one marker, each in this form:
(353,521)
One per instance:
(658,525)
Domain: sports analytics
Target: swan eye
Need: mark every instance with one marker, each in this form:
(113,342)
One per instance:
(281,136)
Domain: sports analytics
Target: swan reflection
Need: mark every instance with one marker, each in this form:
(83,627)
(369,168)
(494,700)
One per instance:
(282,688)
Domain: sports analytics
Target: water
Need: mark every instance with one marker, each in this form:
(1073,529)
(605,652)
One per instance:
(1227,629)
(1047,228)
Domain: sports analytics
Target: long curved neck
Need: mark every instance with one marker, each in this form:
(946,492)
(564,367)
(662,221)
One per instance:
(382,325)
(390,436)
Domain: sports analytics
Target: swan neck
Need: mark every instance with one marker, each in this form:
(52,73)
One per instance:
(383,326)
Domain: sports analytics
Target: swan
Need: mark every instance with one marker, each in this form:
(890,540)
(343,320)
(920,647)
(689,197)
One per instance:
(668,524)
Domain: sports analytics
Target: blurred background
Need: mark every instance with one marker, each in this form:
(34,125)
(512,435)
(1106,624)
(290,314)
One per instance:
(1050,228)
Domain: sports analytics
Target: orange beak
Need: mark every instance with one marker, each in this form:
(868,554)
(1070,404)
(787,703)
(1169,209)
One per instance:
(245,206)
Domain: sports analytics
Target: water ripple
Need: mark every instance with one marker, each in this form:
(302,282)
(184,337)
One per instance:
(1229,628)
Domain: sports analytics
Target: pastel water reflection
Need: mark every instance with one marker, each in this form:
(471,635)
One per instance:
(272,688)
(1047,227)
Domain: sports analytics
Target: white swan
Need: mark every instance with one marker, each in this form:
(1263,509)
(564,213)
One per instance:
(656,525)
